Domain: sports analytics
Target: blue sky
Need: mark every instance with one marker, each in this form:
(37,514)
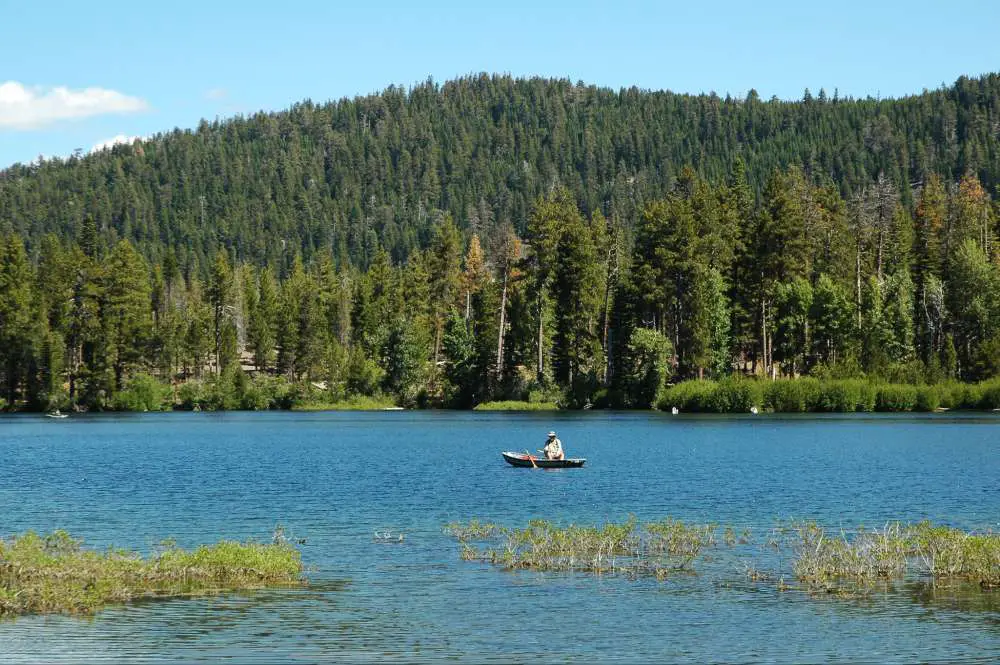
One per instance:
(76,74)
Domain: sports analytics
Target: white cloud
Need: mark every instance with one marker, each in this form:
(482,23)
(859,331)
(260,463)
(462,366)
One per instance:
(113,141)
(216,93)
(34,107)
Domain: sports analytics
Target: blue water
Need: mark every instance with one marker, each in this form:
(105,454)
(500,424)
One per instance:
(334,479)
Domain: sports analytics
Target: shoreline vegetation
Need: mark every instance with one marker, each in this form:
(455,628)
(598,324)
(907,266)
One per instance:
(731,395)
(54,573)
(810,395)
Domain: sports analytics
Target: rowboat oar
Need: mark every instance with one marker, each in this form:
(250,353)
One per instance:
(531,459)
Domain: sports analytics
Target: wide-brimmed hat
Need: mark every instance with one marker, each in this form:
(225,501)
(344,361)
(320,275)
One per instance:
(552,433)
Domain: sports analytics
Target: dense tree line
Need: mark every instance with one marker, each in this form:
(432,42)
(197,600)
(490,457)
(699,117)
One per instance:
(496,238)
(580,308)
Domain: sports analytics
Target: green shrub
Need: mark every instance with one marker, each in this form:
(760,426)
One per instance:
(143,393)
(545,394)
(255,398)
(928,398)
(191,395)
(990,394)
(278,390)
(951,395)
(972,396)
(693,396)
(896,397)
(791,395)
(869,395)
(843,396)
(735,395)
(222,395)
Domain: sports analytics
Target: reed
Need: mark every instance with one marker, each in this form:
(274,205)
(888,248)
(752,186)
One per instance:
(891,553)
(474,530)
(42,574)
(655,549)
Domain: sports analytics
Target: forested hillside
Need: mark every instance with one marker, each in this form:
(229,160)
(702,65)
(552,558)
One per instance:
(498,238)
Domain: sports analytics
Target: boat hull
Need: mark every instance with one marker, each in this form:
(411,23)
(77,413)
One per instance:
(532,461)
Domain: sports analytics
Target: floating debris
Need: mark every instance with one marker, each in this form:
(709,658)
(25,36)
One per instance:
(389,538)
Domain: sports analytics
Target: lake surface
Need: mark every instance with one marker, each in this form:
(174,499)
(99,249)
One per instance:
(334,479)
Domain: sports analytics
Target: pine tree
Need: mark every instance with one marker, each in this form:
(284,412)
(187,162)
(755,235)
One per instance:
(126,312)
(262,322)
(220,298)
(16,318)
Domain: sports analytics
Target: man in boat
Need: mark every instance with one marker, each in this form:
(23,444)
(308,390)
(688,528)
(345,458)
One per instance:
(553,448)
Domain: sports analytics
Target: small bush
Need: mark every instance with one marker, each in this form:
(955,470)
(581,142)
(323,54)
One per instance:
(191,395)
(896,397)
(693,396)
(990,394)
(928,398)
(844,396)
(951,394)
(550,394)
(255,398)
(143,393)
(736,396)
(791,395)
(972,396)
(869,395)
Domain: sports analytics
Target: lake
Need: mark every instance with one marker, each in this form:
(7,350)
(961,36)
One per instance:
(333,479)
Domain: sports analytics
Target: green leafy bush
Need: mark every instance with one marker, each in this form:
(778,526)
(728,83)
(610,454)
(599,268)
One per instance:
(734,395)
(928,398)
(143,393)
(844,396)
(896,397)
(191,396)
(791,395)
(693,396)
(990,394)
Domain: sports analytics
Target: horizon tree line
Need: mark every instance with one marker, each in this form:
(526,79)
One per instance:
(704,282)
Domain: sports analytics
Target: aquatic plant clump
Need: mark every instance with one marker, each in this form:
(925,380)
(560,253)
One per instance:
(891,553)
(846,563)
(631,547)
(55,574)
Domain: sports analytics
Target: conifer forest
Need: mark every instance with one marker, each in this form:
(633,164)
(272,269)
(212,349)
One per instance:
(493,238)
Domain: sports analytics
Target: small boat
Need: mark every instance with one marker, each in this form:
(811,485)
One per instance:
(533,461)
(57,414)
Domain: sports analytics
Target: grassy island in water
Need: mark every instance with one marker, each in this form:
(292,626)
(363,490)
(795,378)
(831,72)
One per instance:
(45,574)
